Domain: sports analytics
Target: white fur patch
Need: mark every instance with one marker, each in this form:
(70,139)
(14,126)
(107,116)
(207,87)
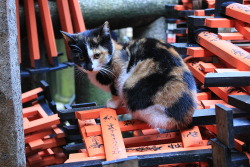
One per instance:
(155,116)
(96,62)
(115,102)
(89,50)
(95,65)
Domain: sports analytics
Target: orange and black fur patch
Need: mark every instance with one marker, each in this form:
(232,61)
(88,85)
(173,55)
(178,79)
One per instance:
(158,76)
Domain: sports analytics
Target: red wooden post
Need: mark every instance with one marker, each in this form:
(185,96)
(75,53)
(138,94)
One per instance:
(191,137)
(225,50)
(198,52)
(77,17)
(231,36)
(34,51)
(65,20)
(112,136)
(219,23)
(221,92)
(94,144)
(124,126)
(95,113)
(243,28)
(238,11)
(32,94)
(48,31)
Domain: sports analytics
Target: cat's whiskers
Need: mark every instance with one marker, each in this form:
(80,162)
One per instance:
(108,72)
(109,69)
(79,75)
(104,73)
(81,69)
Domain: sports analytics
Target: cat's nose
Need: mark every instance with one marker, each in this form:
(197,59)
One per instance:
(89,67)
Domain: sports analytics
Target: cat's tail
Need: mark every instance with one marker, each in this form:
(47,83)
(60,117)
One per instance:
(186,122)
(184,125)
(157,117)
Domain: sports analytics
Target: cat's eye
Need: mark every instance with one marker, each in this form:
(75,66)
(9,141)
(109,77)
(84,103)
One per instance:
(97,56)
(77,54)
(81,58)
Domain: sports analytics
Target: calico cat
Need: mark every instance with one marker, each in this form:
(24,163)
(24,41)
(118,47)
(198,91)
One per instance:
(146,76)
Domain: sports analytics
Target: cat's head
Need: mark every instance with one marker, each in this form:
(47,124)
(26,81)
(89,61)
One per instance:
(92,49)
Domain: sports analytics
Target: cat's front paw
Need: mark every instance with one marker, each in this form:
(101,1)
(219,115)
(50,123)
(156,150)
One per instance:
(113,103)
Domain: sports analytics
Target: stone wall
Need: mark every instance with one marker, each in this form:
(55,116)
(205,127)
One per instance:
(12,152)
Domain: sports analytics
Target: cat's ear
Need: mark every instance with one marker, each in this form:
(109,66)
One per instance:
(69,38)
(105,30)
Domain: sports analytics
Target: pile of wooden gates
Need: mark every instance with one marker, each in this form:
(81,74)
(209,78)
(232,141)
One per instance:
(89,135)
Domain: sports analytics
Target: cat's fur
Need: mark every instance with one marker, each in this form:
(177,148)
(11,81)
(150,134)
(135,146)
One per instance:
(147,76)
